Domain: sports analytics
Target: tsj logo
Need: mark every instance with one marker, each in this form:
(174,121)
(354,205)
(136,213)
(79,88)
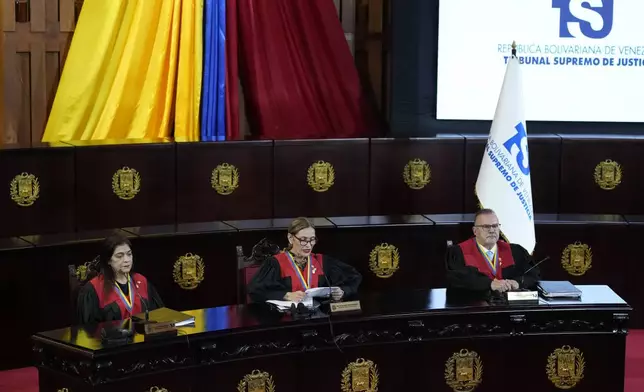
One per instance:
(590,18)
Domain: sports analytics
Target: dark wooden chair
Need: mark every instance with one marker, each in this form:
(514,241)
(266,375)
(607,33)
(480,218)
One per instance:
(78,277)
(247,266)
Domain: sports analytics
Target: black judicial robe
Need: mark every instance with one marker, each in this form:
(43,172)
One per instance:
(92,307)
(271,283)
(465,277)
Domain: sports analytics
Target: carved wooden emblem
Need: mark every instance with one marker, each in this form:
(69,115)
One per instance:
(464,371)
(565,367)
(126,183)
(24,189)
(225,179)
(384,260)
(577,259)
(608,174)
(360,376)
(256,381)
(320,176)
(188,271)
(417,174)
(83,271)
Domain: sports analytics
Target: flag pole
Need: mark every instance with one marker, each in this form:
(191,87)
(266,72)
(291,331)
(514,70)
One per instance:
(514,49)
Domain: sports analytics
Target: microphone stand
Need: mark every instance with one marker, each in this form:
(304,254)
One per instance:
(530,269)
(139,326)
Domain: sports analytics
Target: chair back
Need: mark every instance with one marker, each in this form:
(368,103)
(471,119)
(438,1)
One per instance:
(78,277)
(247,267)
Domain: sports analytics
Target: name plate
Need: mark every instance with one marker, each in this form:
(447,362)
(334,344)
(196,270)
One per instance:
(523,296)
(151,328)
(349,306)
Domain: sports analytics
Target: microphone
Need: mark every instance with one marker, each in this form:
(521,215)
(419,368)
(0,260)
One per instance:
(328,282)
(331,331)
(300,311)
(531,268)
(145,307)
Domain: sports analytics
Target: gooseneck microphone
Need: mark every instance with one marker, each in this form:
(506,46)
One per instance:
(531,268)
(331,331)
(328,282)
(145,307)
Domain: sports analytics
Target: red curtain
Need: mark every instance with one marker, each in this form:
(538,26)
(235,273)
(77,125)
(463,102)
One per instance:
(298,75)
(232,72)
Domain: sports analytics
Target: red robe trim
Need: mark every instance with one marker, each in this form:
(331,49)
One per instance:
(139,285)
(474,258)
(287,270)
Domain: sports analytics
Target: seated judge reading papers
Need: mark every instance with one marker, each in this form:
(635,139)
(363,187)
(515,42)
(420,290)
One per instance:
(485,262)
(116,293)
(289,274)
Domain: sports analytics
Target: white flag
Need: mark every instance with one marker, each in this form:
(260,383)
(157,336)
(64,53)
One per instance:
(504,182)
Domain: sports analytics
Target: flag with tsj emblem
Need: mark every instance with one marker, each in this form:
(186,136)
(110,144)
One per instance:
(504,183)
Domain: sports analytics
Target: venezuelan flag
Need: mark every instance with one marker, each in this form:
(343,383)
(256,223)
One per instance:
(143,69)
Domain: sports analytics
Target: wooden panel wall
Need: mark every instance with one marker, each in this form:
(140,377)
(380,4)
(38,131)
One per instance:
(1,74)
(371,45)
(37,34)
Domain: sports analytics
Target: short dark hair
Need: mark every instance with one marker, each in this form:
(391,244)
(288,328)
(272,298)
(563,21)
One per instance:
(483,211)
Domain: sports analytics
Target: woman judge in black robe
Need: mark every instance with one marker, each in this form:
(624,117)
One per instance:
(116,293)
(287,275)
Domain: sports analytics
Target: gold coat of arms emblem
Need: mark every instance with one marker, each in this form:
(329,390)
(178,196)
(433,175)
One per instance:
(464,371)
(320,176)
(63,390)
(24,189)
(565,367)
(188,271)
(360,376)
(157,389)
(81,271)
(417,174)
(224,179)
(608,174)
(256,381)
(577,258)
(384,260)
(126,183)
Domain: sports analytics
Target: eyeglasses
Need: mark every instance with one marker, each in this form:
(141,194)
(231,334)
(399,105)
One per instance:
(304,241)
(488,227)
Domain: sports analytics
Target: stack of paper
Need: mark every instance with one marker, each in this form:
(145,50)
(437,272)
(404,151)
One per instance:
(321,292)
(558,289)
(317,292)
(286,305)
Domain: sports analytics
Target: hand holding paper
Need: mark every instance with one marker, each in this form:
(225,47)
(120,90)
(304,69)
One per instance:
(325,292)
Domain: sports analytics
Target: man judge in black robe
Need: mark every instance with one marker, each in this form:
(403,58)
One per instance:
(485,262)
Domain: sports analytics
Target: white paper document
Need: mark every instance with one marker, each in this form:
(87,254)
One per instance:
(189,322)
(320,292)
(286,305)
